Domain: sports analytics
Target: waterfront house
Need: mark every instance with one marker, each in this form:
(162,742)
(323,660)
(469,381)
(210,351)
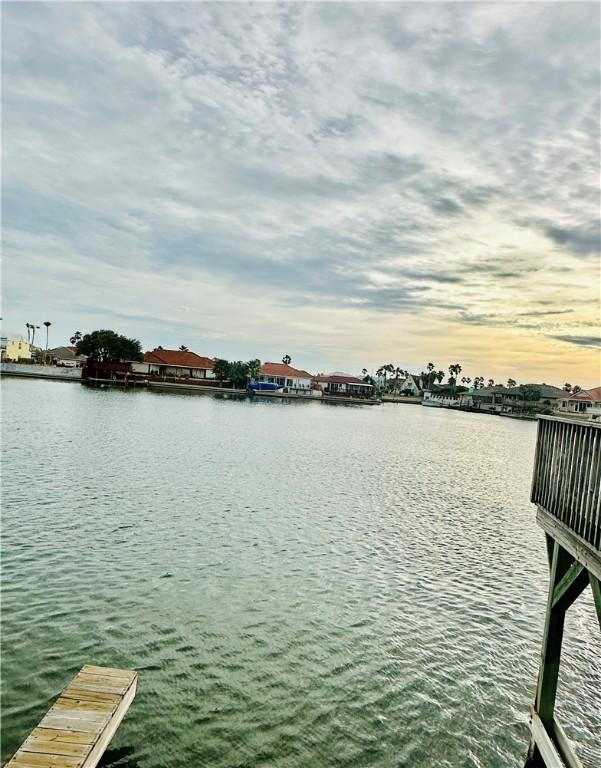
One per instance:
(344,384)
(439,395)
(175,363)
(291,379)
(66,357)
(412,386)
(501,398)
(584,404)
(17,349)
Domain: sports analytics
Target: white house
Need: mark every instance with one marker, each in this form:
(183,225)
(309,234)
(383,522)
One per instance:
(585,404)
(293,379)
(411,386)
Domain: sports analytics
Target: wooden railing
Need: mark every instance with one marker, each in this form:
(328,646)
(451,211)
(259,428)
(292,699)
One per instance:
(566,489)
(567,476)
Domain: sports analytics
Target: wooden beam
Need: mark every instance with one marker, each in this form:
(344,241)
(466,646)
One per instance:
(546,747)
(575,545)
(564,747)
(596,590)
(553,635)
(574,581)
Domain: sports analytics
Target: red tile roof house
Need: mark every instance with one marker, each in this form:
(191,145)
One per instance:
(174,363)
(293,380)
(343,384)
(586,403)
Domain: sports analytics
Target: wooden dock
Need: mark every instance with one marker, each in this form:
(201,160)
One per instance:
(566,488)
(78,728)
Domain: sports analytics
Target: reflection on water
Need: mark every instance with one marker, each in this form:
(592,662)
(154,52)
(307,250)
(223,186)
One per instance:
(297,584)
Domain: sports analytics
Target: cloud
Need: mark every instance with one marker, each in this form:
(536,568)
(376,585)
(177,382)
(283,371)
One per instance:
(585,239)
(302,160)
(581,341)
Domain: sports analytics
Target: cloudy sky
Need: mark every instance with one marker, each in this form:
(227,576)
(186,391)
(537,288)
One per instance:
(351,184)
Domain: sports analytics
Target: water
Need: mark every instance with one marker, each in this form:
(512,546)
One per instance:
(298,584)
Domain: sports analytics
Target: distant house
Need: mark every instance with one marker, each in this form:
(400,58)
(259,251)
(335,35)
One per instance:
(411,386)
(501,398)
(175,363)
(66,357)
(344,384)
(586,403)
(17,349)
(439,395)
(292,379)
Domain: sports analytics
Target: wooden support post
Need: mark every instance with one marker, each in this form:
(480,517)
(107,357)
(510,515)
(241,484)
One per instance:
(548,673)
(552,639)
(596,590)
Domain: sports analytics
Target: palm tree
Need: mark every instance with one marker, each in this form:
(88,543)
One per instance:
(47,323)
(183,348)
(439,376)
(454,371)
(28,327)
(397,373)
(364,371)
(511,383)
(567,387)
(576,389)
(491,383)
(254,369)
(286,359)
(34,328)
(77,336)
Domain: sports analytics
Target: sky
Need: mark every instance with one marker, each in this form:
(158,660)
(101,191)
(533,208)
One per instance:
(350,184)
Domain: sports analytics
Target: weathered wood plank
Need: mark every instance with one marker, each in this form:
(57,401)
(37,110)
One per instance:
(35,760)
(580,549)
(84,705)
(56,734)
(77,693)
(545,744)
(35,744)
(552,639)
(570,586)
(76,730)
(596,590)
(567,475)
(69,724)
(125,674)
(564,747)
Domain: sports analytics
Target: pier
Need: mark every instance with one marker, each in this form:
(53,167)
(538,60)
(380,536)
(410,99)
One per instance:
(78,728)
(566,490)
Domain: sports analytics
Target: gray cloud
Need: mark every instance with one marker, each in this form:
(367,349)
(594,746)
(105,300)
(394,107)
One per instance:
(318,155)
(580,341)
(584,239)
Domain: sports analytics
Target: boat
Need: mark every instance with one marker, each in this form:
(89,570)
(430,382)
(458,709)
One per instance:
(265,386)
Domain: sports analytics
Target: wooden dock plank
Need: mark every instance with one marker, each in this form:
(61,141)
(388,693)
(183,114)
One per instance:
(56,734)
(77,693)
(55,747)
(77,729)
(34,760)
(126,674)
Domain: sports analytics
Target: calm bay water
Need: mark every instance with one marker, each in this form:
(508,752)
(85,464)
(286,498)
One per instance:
(298,584)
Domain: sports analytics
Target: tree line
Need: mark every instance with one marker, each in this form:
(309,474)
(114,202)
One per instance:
(392,374)
(109,346)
